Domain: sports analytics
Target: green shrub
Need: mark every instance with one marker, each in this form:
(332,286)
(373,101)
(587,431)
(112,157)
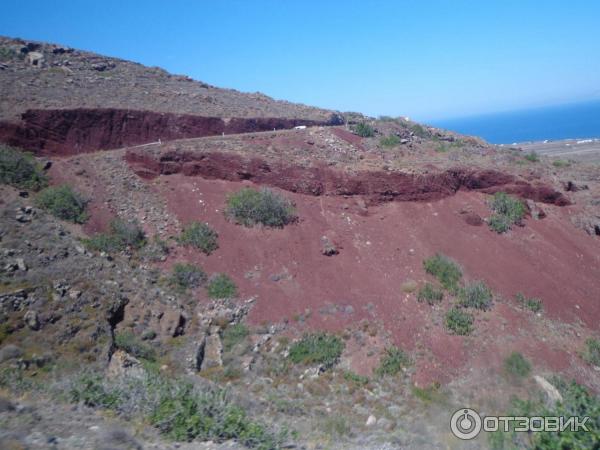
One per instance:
(516,365)
(499,223)
(561,163)
(592,352)
(364,130)
(221,286)
(389,141)
(201,236)
(445,270)
(430,294)
(317,348)
(250,207)
(532,304)
(356,379)
(233,335)
(459,322)
(509,210)
(476,295)
(187,276)
(506,205)
(392,362)
(419,130)
(532,156)
(128,342)
(91,391)
(577,401)
(121,236)
(63,202)
(20,169)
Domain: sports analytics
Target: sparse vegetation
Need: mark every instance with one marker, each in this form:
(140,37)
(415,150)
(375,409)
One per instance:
(419,130)
(445,270)
(392,362)
(516,365)
(577,401)
(20,169)
(129,342)
(201,236)
(233,335)
(532,156)
(389,141)
(430,294)
(221,286)
(364,130)
(356,379)
(509,210)
(187,276)
(561,163)
(317,348)
(429,394)
(532,304)
(476,295)
(592,352)
(62,202)
(250,207)
(177,409)
(122,235)
(459,322)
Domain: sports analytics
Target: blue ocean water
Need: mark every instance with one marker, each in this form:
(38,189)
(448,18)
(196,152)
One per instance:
(572,121)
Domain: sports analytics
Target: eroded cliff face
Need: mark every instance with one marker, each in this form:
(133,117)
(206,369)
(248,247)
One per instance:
(72,131)
(376,186)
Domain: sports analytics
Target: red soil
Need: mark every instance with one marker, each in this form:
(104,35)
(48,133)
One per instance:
(383,248)
(376,186)
(72,131)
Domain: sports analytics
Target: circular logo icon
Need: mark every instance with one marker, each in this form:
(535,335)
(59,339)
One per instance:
(465,423)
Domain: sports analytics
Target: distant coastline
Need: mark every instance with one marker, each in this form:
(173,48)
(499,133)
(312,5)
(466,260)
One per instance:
(580,121)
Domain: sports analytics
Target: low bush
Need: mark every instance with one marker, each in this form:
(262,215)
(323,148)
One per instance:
(476,295)
(364,130)
(577,401)
(129,342)
(592,352)
(532,304)
(392,362)
(445,270)
(62,202)
(561,163)
(20,169)
(459,322)
(532,157)
(516,365)
(221,286)
(389,141)
(201,236)
(509,210)
(356,379)
(250,207)
(177,409)
(419,130)
(91,391)
(122,235)
(187,276)
(430,294)
(233,335)
(499,223)
(317,348)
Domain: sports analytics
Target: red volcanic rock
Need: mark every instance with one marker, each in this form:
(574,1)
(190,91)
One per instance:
(72,131)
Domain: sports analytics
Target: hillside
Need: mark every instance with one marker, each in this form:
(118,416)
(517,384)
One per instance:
(333,286)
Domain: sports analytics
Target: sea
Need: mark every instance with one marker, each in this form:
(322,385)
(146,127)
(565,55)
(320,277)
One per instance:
(571,121)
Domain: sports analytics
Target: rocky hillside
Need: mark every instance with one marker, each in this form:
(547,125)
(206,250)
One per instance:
(327,287)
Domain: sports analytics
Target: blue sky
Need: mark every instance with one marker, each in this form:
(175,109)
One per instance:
(425,59)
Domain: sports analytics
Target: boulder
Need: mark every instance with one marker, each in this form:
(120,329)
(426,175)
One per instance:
(35,59)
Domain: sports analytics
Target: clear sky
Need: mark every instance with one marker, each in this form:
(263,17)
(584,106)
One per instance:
(425,59)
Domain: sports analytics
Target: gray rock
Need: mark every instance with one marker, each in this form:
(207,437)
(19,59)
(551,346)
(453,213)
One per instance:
(32,320)
(9,352)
